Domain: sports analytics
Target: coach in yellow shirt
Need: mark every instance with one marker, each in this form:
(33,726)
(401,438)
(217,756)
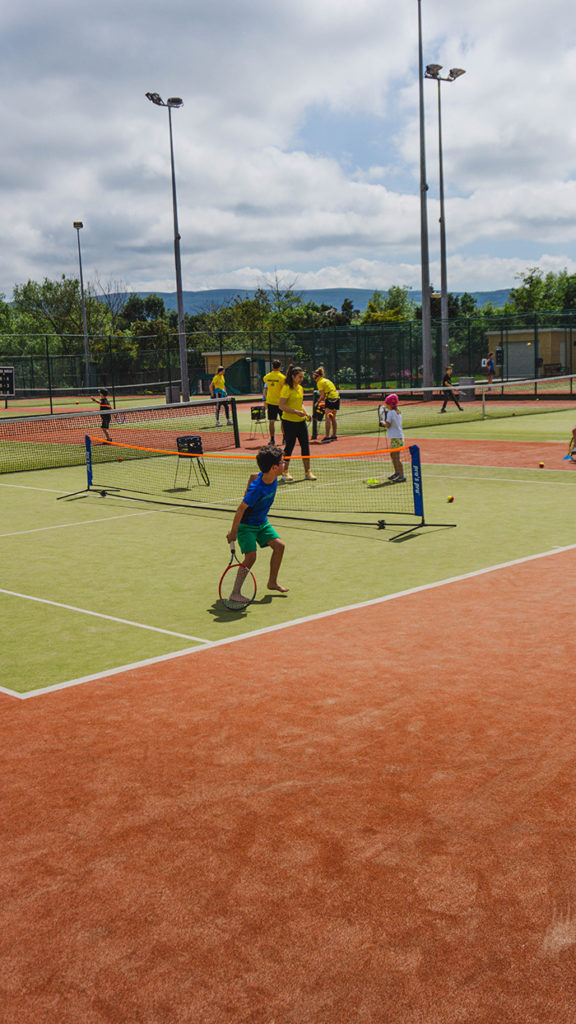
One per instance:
(218,390)
(294,420)
(330,399)
(273,382)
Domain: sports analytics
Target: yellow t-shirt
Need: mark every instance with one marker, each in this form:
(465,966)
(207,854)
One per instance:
(274,380)
(330,390)
(219,382)
(294,400)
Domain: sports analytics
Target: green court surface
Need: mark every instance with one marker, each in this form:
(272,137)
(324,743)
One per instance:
(131,576)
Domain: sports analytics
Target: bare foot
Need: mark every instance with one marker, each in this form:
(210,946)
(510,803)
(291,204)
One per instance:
(276,586)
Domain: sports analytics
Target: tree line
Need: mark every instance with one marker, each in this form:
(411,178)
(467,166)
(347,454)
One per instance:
(138,323)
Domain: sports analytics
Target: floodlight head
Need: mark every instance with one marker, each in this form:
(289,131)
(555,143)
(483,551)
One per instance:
(433,70)
(174,101)
(455,73)
(78,224)
(155,98)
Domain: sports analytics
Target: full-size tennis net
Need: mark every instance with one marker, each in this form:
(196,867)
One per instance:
(360,413)
(45,442)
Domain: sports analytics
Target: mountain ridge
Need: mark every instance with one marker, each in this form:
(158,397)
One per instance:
(203,300)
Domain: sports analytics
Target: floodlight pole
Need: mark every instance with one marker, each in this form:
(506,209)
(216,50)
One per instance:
(433,71)
(427,379)
(78,225)
(176,102)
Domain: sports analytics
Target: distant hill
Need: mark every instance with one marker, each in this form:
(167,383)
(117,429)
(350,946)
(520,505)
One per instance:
(198,302)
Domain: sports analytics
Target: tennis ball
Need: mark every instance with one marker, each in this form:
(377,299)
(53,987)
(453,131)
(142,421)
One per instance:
(372,481)
(120,459)
(541,465)
(450,498)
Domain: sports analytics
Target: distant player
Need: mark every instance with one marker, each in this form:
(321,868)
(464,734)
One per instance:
(105,411)
(490,368)
(449,395)
(273,382)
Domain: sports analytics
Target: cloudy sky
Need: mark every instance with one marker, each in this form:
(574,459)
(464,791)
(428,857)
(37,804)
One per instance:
(297,145)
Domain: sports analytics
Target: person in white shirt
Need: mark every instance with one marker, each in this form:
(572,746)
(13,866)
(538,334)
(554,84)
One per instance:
(391,418)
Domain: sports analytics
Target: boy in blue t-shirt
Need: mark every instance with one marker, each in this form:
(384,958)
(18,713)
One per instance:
(251,524)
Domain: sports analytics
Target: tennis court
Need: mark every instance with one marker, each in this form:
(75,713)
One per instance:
(348,803)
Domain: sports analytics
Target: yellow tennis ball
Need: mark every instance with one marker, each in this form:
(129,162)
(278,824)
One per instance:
(541,465)
(450,498)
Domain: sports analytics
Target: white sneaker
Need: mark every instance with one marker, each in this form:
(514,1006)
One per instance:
(228,423)
(217,424)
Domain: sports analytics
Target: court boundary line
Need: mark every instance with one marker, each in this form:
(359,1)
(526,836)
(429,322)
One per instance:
(208,645)
(101,615)
(85,522)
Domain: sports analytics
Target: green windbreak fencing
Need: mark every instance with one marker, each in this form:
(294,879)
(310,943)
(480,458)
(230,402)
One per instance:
(52,368)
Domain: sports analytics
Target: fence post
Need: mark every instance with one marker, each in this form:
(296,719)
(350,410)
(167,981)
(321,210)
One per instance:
(112,375)
(49,373)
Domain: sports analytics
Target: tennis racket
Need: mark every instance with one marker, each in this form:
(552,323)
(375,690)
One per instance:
(237,587)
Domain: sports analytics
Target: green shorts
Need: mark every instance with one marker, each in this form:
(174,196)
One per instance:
(396,442)
(250,536)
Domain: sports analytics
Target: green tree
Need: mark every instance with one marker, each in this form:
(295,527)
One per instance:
(396,304)
(55,307)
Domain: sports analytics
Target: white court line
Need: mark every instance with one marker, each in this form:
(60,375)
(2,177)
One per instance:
(25,487)
(65,526)
(499,479)
(207,645)
(100,615)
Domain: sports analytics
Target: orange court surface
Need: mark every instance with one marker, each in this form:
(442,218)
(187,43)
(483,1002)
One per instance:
(365,818)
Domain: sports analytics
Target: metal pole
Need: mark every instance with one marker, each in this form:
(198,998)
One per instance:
(425,262)
(78,224)
(178,266)
(445,326)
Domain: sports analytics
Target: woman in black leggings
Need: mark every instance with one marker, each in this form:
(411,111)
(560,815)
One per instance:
(294,420)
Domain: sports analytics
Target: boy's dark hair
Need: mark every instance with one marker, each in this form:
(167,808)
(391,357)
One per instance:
(103,391)
(268,456)
(276,364)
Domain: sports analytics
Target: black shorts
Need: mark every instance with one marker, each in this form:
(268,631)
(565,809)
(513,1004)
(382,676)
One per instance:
(273,411)
(105,421)
(332,403)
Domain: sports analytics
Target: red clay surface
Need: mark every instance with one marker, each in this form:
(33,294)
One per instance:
(361,820)
(517,454)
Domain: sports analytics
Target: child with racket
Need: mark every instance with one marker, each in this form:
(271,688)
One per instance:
(105,411)
(251,525)
(391,418)
(330,399)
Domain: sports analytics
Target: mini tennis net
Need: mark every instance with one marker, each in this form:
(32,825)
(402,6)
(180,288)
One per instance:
(354,487)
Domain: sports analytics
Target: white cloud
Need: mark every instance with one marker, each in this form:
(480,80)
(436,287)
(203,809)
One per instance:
(255,191)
